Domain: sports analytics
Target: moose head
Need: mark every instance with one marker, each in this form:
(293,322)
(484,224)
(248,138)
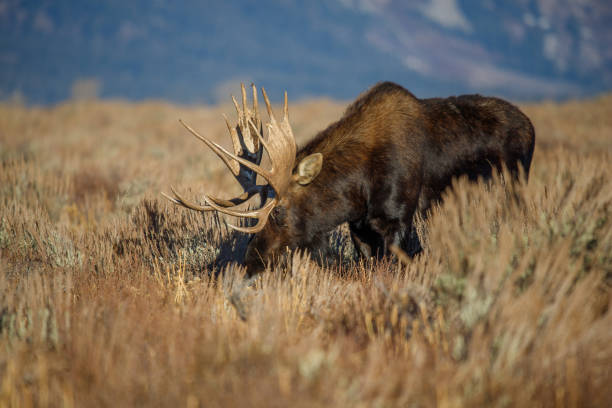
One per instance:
(276,225)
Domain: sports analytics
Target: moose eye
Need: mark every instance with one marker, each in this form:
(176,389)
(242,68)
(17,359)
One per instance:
(279,216)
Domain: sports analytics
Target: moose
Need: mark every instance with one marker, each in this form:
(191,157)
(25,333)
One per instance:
(390,156)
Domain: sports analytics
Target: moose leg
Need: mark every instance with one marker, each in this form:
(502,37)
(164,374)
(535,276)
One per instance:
(392,232)
(368,242)
(398,234)
(400,231)
(320,250)
(371,243)
(410,242)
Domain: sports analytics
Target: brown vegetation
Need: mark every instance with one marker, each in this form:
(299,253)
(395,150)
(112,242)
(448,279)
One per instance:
(108,296)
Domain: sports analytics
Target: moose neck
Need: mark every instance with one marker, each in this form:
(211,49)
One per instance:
(336,195)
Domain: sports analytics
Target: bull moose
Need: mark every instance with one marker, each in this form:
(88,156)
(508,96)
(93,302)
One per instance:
(389,156)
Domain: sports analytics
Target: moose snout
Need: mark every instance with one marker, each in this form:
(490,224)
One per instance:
(254,262)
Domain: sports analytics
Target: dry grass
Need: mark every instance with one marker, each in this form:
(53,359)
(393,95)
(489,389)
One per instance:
(109,296)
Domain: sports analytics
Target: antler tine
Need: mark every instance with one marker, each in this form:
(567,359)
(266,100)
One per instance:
(245,109)
(257,124)
(261,215)
(260,137)
(268,107)
(221,152)
(249,140)
(232,165)
(220,202)
(172,199)
(237,107)
(285,109)
(237,213)
(261,223)
(178,199)
(255,106)
(231,203)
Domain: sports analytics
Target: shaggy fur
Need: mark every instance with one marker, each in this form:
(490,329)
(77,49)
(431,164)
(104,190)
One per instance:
(390,155)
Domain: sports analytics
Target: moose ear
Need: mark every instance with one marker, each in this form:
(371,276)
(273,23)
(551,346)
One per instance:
(309,168)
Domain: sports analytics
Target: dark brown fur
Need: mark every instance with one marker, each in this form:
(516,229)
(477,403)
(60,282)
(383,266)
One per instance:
(389,156)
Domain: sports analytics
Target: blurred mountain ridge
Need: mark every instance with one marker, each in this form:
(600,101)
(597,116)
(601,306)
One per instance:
(195,51)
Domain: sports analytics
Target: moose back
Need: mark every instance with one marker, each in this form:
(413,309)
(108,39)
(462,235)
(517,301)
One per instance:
(389,156)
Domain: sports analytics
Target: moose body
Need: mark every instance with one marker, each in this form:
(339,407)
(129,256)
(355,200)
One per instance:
(389,156)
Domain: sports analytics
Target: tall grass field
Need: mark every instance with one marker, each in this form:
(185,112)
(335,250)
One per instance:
(112,296)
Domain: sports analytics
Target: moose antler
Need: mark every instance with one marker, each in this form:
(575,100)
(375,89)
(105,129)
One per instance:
(244,163)
(246,145)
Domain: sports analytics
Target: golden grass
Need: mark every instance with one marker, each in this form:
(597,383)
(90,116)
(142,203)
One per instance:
(110,296)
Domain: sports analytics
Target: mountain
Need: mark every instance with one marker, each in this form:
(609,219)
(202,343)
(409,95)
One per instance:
(196,51)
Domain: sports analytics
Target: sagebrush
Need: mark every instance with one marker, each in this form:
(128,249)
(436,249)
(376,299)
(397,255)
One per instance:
(109,295)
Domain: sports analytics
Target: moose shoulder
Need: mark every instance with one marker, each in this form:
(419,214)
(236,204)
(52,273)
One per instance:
(390,155)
